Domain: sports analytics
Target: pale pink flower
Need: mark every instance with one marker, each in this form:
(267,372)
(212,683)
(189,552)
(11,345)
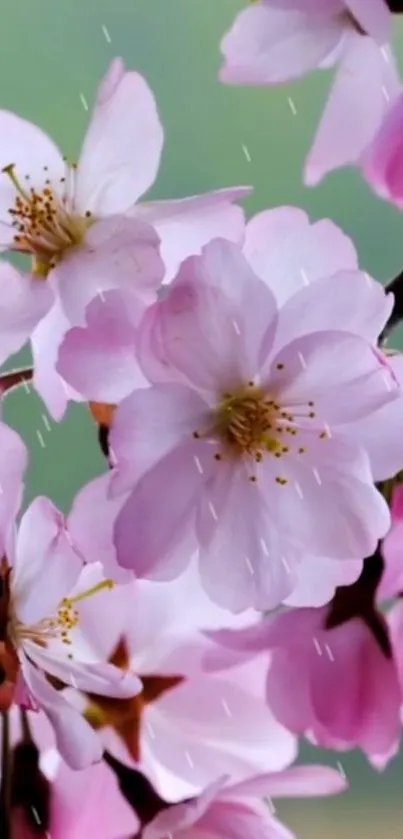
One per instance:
(339,686)
(82,226)
(41,589)
(276,41)
(249,425)
(289,254)
(201,710)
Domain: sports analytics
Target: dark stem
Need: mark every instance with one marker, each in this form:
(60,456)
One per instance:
(6,779)
(396,287)
(137,790)
(359,601)
(103,439)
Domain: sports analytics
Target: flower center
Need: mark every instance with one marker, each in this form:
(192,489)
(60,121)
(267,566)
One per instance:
(57,627)
(44,224)
(246,420)
(250,422)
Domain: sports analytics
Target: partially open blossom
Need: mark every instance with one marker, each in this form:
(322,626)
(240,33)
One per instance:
(345,691)
(81,225)
(344,662)
(272,42)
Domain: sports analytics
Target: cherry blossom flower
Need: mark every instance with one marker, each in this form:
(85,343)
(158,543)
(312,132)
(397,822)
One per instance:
(190,722)
(82,227)
(40,594)
(288,253)
(272,42)
(250,410)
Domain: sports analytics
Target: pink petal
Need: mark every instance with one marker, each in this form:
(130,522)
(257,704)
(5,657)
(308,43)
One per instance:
(269,45)
(78,744)
(391,584)
(13,464)
(235,820)
(329,505)
(231,731)
(121,151)
(349,301)
(182,816)
(92,677)
(382,162)
(243,560)
(295,782)
(148,425)
(95,636)
(385,449)
(118,253)
(340,372)
(89,803)
(207,331)
(142,546)
(397,503)
(99,360)
(288,252)
(33,153)
(186,224)
(382,705)
(365,83)
(288,693)
(24,301)
(45,342)
(318,578)
(46,566)
(91,522)
(111,81)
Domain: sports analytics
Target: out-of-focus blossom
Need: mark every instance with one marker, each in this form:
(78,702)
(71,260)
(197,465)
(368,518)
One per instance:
(275,41)
(189,722)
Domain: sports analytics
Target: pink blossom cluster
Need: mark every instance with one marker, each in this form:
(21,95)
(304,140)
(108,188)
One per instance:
(232,582)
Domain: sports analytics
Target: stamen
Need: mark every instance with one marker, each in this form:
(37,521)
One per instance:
(9,170)
(69,601)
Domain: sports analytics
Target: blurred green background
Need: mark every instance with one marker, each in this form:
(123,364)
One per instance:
(52,54)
